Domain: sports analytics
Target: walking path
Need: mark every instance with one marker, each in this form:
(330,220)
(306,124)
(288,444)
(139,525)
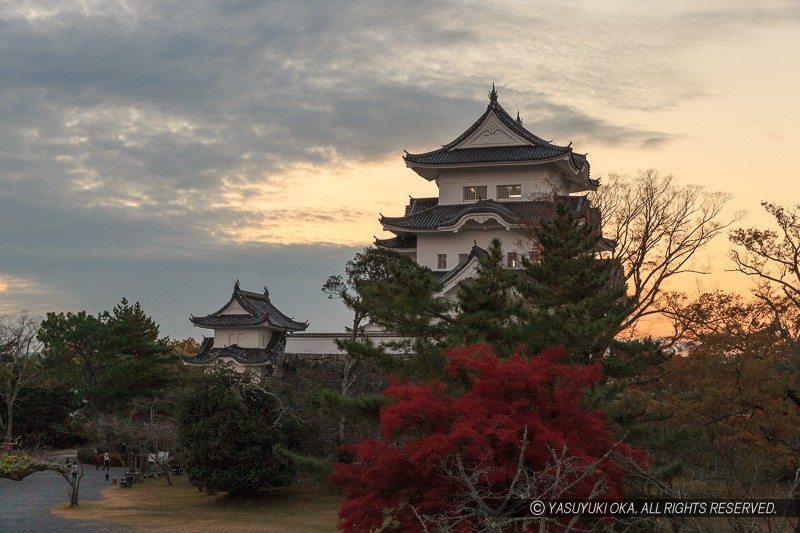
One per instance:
(25,505)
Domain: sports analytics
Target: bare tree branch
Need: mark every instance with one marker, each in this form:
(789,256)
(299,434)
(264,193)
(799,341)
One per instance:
(772,258)
(478,505)
(659,228)
(19,356)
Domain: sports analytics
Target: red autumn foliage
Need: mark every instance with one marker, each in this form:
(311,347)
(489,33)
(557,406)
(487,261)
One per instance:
(430,430)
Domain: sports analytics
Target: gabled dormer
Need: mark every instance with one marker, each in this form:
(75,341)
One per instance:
(491,132)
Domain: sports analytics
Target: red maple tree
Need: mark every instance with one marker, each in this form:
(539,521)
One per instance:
(477,451)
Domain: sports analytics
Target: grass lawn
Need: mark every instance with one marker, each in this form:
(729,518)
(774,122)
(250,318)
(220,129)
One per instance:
(155,506)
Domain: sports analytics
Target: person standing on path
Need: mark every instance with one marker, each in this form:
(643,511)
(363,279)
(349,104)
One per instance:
(106,464)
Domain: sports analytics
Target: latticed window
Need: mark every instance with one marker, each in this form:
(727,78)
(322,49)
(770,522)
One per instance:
(512,260)
(441,261)
(475,192)
(509,191)
(462,257)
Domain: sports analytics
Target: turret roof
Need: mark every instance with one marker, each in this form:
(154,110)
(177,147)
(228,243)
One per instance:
(514,145)
(254,309)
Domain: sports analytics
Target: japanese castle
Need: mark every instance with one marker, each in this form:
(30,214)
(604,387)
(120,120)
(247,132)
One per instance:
(494,179)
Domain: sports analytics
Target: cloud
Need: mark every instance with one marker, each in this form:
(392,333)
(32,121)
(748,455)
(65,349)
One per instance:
(155,140)
(170,287)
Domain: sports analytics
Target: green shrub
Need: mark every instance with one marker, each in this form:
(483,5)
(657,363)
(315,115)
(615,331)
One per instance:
(86,456)
(318,469)
(227,434)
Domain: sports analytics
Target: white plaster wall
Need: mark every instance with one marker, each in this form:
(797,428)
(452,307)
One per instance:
(246,338)
(324,343)
(535,181)
(311,345)
(429,245)
(234,309)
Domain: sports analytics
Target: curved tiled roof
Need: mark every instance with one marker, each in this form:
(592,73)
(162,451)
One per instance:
(513,213)
(482,207)
(537,148)
(416,205)
(495,154)
(398,243)
(260,311)
(475,253)
(244,356)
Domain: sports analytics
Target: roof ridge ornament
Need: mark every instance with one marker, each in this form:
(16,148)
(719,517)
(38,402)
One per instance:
(493,97)
(236,286)
(519,120)
(266,291)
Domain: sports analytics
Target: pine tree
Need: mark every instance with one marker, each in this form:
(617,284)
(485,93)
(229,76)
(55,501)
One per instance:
(145,364)
(227,427)
(401,296)
(107,360)
(357,350)
(488,308)
(572,296)
(77,359)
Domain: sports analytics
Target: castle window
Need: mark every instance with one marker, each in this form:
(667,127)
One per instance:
(462,257)
(441,261)
(474,192)
(512,260)
(509,191)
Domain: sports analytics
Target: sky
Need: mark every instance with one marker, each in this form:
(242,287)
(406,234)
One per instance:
(160,150)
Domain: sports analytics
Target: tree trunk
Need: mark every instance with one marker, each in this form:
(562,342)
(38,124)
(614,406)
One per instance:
(73,493)
(9,420)
(74,485)
(347,372)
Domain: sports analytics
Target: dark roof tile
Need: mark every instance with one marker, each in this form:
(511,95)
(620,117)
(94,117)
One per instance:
(398,243)
(514,213)
(537,149)
(416,205)
(260,311)
(244,356)
(475,253)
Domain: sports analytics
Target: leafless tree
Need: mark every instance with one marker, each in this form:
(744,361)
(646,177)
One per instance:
(738,482)
(155,433)
(19,355)
(144,429)
(772,259)
(73,476)
(658,227)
